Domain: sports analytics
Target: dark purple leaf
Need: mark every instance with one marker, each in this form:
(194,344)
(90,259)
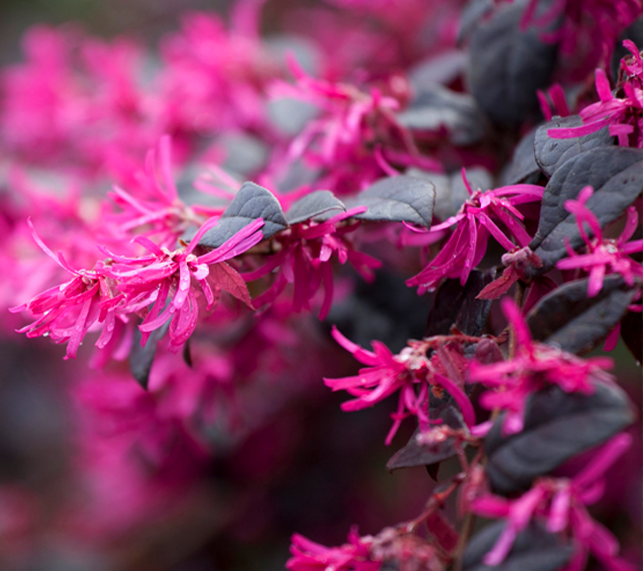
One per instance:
(432,470)
(508,65)
(534,549)
(457,305)
(488,351)
(569,319)
(440,68)
(558,425)
(631,332)
(439,108)
(415,454)
(552,153)
(374,310)
(398,199)
(141,358)
(522,166)
(313,205)
(251,202)
(615,173)
(472,14)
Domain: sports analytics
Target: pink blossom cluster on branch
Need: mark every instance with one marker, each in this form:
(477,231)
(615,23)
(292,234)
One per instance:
(423,168)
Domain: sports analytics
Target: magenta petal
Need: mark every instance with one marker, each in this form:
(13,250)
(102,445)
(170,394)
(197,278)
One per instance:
(362,355)
(603,459)
(468,414)
(515,318)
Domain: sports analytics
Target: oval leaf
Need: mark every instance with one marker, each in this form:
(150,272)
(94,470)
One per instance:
(416,454)
(398,199)
(438,108)
(523,164)
(566,317)
(251,202)
(534,549)
(141,358)
(471,15)
(313,205)
(552,153)
(508,65)
(457,304)
(558,425)
(615,173)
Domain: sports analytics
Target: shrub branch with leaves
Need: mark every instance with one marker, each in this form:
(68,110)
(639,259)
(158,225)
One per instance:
(350,176)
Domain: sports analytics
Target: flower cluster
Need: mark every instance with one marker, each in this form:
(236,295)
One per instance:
(604,255)
(311,556)
(86,102)
(560,503)
(474,222)
(160,284)
(533,366)
(356,135)
(622,115)
(411,373)
(304,259)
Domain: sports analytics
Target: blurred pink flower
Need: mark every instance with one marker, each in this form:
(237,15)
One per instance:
(561,504)
(352,556)
(215,75)
(604,255)
(66,312)
(533,367)
(355,135)
(622,115)
(587,32)
(154,205)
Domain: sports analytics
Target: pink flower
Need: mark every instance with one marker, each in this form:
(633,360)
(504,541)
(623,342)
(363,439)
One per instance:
(66,312)
(120,286)
(304,259)
(534,366)
(558,102)
(352,556)
(215,75)
(588,32)
(561,504)
(604,256)
(76,101)
(410,372)
(355,135)
(623,115)
(154,206)
(468,243)
(515,263)
(165,280)
(133,461)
